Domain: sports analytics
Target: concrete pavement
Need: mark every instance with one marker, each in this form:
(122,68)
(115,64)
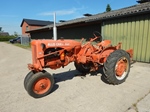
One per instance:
(71,93)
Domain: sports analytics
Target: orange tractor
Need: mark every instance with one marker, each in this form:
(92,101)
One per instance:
(87,58)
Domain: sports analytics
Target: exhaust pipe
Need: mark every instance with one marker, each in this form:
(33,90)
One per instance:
(54,28)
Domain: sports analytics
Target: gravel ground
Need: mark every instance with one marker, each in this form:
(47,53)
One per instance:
(71,93)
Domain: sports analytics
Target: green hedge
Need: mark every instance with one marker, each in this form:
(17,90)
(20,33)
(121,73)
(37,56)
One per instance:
(6,38)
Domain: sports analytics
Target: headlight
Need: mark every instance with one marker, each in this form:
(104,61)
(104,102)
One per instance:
(43,46)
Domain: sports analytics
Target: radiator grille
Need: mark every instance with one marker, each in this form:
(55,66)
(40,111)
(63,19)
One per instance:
(34,54)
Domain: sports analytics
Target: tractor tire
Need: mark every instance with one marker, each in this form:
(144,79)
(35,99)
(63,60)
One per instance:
(27,78)
(82,68)
(40,84)
(117,67)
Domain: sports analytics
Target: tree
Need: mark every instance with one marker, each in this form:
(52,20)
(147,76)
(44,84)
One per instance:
(1,29)
(108,8)
(15,34)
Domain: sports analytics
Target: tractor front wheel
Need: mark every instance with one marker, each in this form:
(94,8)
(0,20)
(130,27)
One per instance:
(117,67)
(30,74)
(40,84)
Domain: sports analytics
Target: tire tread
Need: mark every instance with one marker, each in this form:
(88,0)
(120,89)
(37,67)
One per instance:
(109,66)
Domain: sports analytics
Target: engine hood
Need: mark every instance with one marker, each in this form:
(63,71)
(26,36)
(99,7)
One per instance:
(57,43)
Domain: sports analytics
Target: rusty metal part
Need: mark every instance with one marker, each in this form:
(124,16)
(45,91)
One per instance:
(59,53)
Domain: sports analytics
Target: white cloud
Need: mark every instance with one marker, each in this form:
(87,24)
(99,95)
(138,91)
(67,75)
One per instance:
(59,12)
(78,2)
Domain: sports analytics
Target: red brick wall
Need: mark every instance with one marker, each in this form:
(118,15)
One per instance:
(34,27)
(29,28)
(24,28)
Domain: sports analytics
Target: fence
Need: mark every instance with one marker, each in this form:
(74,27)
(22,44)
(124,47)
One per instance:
(25,40)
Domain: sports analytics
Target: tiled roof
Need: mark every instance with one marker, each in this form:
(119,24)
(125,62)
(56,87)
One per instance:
(4,33)
(132,10)
(36,22)
(142,1)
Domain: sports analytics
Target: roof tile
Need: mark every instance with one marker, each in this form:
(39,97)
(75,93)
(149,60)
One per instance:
(36,22)
(136,9)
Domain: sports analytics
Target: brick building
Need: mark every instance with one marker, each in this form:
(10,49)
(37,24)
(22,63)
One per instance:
(129,25)
(30,24)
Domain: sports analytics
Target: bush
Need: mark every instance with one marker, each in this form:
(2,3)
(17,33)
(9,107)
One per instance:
(6,38)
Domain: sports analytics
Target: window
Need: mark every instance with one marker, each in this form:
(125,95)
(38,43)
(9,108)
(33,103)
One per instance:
(27,28)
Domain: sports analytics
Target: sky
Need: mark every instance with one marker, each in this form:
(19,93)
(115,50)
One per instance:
(12,12)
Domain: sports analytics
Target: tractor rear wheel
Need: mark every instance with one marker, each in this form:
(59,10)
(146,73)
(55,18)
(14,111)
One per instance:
(117,67)
(40,84)
(83,68)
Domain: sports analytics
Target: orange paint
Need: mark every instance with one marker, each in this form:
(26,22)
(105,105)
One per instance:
(41,86)
(121,67)
(59,53)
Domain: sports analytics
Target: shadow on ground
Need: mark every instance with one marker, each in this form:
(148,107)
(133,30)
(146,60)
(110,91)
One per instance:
(68,75)
(63,76)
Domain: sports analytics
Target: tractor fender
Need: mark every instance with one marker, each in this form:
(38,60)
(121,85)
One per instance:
(105,53)
(130,52)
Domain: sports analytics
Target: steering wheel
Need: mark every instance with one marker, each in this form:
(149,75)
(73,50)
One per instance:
(97,34)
